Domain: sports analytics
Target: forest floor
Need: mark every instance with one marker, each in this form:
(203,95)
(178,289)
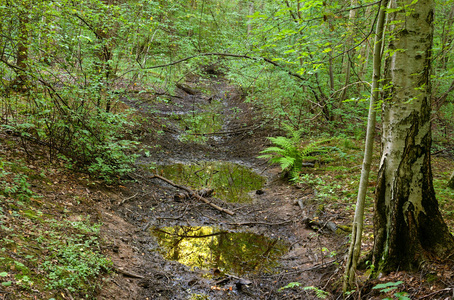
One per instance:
(288,242)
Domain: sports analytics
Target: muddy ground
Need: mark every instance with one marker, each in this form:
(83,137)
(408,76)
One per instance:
(147,202)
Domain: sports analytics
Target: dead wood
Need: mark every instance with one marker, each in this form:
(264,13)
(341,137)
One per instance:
(202,193)
(129,274)
(195,195)
(187,89)
(126,199)
(260,223)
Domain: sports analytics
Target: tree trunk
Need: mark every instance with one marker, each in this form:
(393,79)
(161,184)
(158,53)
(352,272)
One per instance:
(451,181)
(22,49)
(249,25)
(408,223)
(349,55)
(358,222)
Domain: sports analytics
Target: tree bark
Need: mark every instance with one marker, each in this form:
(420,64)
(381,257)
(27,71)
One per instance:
(408,225)
(451,181)
(22,48)
(358,222)
(349,55)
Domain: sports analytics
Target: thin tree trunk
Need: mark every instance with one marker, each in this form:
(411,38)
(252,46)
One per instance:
(22,50)
(408,225)
(451,181)
(251,12)
(357,228)
(349,55)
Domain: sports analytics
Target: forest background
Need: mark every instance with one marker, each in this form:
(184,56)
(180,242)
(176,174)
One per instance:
(67,66)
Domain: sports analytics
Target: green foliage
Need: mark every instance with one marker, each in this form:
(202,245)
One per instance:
(64,256)
(390,286)
(38,251)
(321,294)
(290,154)
(74,264)
(18,188)
(290,286)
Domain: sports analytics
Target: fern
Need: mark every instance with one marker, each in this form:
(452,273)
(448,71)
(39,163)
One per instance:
(288,153)
(321,294)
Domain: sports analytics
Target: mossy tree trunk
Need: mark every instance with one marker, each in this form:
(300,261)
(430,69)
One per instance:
(22,47)
(408,224)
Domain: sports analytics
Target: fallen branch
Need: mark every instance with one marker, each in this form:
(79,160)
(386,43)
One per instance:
(319,266)
(260,223)
(187,236)
(195,195)
(126,199)
(436,292)
(129,274)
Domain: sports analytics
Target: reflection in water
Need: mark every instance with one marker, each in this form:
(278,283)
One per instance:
(231,182)
(236,253)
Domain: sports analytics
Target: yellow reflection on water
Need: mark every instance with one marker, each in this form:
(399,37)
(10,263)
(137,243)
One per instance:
(207,248)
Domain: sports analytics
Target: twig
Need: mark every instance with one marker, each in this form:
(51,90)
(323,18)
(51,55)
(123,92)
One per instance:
(144,228)
(129,274)
(190,236)
(259,223)
(129,198)
(117,284)
(69,294)
(322,265)
(195,195)
(434,293)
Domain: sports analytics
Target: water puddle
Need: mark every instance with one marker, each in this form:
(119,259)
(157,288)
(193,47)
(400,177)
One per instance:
(208,248)
(196,125)
(230,182)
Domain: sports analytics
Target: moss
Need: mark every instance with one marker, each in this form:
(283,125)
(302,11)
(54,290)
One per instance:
(345,228)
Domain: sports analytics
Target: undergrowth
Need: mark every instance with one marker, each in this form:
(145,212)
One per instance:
(291,152)
(46,251)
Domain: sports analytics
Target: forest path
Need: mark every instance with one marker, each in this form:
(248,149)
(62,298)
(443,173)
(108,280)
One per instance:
(208,120)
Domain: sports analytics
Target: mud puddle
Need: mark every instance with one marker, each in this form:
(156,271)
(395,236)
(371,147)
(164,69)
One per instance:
(217,252)
(198,243)
(230,182)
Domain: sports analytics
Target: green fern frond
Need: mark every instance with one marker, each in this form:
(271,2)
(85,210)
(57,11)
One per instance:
(315,147)
(284,143)
(286,162)
(289,155)
(274,150)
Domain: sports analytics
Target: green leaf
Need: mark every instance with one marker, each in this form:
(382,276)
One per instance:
(7,283)
(290,285)
(388,286)
(4,274)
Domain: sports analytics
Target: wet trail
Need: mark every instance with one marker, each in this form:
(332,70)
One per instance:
(169,245)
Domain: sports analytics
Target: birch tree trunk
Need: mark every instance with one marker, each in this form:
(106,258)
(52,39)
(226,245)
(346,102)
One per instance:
(358,222)
(408,223)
